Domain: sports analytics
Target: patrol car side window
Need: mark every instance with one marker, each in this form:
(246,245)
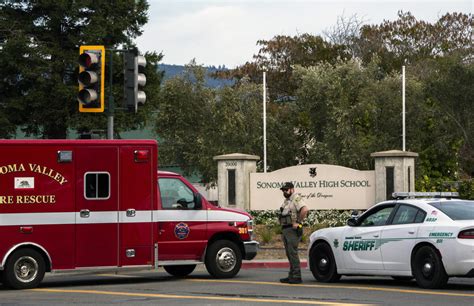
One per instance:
(407,214)
(97,185)
(377,218)
(175,194)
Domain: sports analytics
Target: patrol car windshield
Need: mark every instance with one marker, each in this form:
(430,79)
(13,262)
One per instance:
(456,210)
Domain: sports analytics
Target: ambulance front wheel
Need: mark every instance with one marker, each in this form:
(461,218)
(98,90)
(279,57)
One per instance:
(24,269)
(223,259)
(180,271)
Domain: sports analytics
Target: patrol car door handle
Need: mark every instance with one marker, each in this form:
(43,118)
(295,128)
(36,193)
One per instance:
(85,213)
(411,232)
(376,236)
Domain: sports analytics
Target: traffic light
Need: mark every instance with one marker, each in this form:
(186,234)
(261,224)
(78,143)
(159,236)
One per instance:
(91,79)
(134,79)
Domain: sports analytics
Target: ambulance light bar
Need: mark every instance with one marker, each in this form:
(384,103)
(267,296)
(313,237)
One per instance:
(403,195)
(64,156)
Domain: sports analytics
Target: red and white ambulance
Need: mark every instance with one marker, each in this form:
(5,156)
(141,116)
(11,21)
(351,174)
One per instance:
(101,205)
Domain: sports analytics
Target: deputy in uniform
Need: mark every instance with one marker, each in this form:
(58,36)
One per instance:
(292,213)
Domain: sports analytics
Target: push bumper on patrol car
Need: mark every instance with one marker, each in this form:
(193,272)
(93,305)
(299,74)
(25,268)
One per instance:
(250,248)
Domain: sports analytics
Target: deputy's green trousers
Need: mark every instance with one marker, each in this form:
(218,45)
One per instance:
(291,240)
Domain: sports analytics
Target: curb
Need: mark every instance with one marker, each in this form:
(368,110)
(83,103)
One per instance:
(270,264)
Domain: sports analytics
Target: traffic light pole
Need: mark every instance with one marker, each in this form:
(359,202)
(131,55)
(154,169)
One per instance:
(111,107)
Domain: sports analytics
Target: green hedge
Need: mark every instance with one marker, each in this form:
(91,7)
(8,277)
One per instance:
(464,187)
(330,218)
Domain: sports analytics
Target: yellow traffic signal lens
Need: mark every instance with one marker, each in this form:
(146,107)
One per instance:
(87,78)
(87,96)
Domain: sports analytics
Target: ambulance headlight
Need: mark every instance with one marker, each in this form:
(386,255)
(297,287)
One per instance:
(250,229)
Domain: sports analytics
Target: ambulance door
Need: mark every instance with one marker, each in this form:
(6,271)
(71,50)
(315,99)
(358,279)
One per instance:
(96,206)
(137,190)
(182,226)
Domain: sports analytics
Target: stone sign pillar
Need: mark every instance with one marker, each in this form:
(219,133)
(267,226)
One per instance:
(394,172)
(233,179)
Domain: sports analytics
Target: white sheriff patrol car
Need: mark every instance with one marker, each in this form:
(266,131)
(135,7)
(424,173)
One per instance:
(429,238)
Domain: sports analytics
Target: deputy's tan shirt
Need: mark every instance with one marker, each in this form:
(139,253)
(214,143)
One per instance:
(292,206)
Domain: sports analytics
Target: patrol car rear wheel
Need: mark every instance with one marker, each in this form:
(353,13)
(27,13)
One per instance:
(223,259)
(180,271)
(24,269)
(322,263)
(428,268)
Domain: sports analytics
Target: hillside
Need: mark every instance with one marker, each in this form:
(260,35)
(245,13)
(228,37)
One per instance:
(174,70)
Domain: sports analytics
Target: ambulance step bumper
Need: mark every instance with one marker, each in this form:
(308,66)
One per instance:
(251,248)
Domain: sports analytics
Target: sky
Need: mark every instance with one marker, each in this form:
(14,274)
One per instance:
(224,32)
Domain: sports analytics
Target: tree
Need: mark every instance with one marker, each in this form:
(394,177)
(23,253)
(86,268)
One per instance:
(408,40)
(236,116)
(182,119)
(39,43)
(346,32)
(356,110)
(448,86)
(279,55)
(196,123)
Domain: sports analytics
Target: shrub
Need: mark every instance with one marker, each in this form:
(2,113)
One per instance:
(266,233)
(321,218)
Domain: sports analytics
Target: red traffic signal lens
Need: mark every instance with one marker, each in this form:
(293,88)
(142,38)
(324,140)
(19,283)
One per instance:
(86,59)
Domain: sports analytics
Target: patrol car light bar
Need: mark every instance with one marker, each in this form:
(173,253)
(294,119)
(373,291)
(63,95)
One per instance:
(402,195)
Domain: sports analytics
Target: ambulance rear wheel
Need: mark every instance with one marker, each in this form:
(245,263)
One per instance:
(24,269)
(223,259)
(180,271)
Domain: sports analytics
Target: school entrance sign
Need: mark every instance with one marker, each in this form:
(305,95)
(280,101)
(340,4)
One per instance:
(322,186)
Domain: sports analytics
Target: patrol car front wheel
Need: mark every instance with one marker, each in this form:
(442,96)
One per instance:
(223,259)
(428,268)
(322,263)
(180,271)
(24,269)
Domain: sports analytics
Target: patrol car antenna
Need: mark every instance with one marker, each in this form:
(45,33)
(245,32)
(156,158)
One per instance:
(404,195)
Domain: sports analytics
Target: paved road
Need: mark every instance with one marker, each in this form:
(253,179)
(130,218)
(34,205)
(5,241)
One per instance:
(250,287)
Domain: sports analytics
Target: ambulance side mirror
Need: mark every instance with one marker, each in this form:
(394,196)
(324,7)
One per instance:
(197,201)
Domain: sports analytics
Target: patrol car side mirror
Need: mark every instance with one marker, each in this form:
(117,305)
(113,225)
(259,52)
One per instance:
(197,201)
(352,222)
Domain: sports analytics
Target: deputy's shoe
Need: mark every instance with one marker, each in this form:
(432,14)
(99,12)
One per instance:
(285,280)
(295,281)
(288,280)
